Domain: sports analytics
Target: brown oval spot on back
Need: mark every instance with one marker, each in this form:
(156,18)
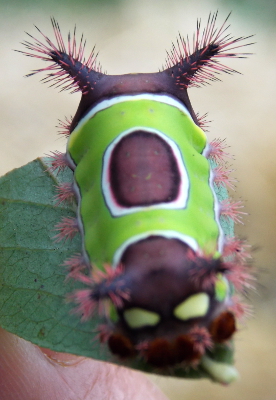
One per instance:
(143,170)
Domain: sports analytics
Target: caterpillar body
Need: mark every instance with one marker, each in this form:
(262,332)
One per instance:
(155,259)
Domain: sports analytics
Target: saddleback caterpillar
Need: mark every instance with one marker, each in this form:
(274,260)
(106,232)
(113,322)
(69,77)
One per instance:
(156,260)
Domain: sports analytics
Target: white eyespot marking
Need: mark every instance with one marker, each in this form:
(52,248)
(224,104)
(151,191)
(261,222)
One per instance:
(138,318)
(194,306)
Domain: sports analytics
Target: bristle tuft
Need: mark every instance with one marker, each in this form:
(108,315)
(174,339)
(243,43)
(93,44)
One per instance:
(68,228)
(231,209)
(108,273)
(240,309)
(75,265)
(216,151)
(240,276)
(59,161)
(86,305)
(238,249)
(201,338)
(65,193)
(142,346)
(222,177)
(204,271)
(104,333)
(106,284)
(203,123)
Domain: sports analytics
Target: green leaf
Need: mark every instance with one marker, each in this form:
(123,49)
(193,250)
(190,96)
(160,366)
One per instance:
(32,278)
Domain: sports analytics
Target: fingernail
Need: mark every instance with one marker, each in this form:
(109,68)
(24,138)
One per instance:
(63,359)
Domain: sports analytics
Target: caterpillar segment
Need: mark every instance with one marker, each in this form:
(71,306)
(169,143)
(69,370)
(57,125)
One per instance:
(155,261)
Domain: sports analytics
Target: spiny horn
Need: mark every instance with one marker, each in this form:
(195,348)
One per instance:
(196,63)
(69,70)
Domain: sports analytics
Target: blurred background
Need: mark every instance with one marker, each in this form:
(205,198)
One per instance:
(132,36)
